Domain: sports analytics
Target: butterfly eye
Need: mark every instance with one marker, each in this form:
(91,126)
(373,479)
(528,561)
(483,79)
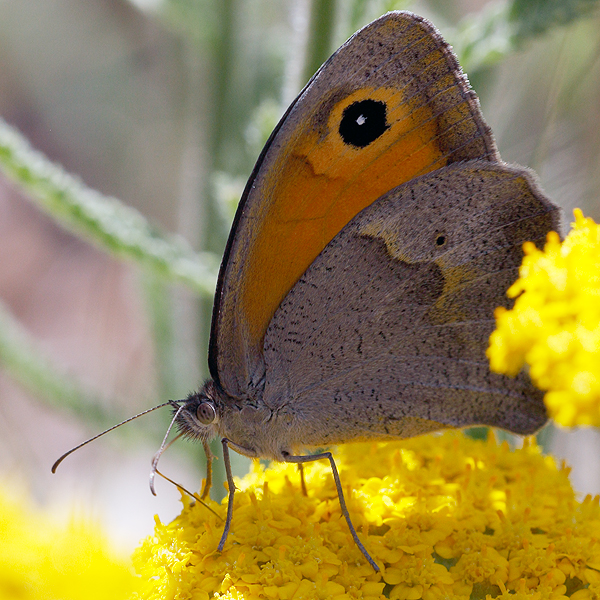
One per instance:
(205,413)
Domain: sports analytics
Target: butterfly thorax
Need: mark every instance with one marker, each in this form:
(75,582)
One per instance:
(253,428)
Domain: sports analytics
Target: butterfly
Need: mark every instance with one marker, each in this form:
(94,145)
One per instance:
(376,235)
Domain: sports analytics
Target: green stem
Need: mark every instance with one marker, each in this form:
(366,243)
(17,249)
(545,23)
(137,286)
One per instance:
(320,36)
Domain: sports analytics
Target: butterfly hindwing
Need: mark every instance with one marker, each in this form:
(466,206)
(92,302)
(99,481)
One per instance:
(396,312)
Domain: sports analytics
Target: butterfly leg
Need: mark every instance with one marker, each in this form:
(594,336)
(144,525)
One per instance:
(338,485)
(302,482)
(208,482)
(231,485)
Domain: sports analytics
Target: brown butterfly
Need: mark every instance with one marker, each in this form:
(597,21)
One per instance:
(376,235)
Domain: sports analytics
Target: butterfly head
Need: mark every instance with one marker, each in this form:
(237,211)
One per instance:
(198,417)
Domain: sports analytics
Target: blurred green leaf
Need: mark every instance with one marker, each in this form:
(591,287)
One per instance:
(501,29)
(110,224)
(534,17)
(22,358)
(227,191)
(484,39)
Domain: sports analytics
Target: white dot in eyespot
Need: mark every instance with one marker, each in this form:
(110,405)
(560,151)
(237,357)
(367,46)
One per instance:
(361,120)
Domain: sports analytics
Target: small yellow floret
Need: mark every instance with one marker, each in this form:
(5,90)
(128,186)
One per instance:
(444,516)
(554,326)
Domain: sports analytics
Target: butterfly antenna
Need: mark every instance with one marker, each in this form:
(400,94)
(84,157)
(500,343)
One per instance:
(170,402)
(195,496)
(162,448)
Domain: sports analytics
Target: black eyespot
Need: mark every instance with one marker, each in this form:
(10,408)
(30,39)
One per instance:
(206,413)
(440,240)
(363,122)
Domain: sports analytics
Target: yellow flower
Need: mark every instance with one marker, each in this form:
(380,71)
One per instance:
(444,516)
(43,559)
(554,325)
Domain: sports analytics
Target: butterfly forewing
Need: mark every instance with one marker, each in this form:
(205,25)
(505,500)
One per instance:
(390,105)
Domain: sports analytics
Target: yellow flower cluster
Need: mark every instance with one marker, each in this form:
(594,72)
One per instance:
(444,516)
(41,558)
(554,325)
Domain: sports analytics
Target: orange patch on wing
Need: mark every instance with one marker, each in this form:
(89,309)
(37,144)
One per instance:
(320,184)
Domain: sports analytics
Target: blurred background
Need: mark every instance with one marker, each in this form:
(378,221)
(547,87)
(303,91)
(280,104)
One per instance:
(165,104)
